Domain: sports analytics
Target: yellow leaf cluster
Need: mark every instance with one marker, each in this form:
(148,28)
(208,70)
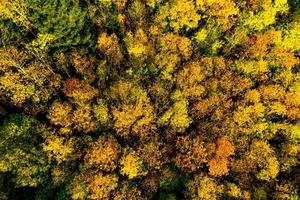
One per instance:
(63,115)
(176,117)
(234,191)
(102,186)
(134,113)
(154,155)
(204,187)
(15,10)
(84,65)
(178,14)
(103,154)
(60,114)
(222,10)
(285,190)
(128,192)
(153,3)
(101,112)
(172,49)
(138,44)
(291,40)
(189,80)
(83,119)
(261,156)
(132,165)
(58,148)
(267,16)
(109,45)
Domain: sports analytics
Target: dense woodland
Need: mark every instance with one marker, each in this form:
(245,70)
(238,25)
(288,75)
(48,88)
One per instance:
(149,99)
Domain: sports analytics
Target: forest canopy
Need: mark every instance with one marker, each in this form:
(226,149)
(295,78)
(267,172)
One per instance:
(149,99)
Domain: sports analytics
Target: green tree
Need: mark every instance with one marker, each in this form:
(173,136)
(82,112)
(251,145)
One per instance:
(20,151)
(61,22)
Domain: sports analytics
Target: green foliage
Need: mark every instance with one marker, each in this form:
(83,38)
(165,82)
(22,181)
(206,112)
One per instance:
(171,187)
(20,153)
(294,5)
(65,23)
(9,32)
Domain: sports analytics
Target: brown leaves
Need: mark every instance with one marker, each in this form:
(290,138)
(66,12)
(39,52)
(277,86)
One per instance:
(79,91)
(191,153)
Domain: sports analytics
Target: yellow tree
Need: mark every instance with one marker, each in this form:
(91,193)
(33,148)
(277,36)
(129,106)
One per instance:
(204,187)
(133,113)
(260,160)
(128,192)
(222,10)
(17,11)
(58,148)
(84,64)
(109,46)
(132,165)
(191,153)
(189,80)
(155,155)
(79,91)
(103,154)
(60,114)
(138,45)
(172,49)
(176,117)
(102,186)
(24,80)
(178,14)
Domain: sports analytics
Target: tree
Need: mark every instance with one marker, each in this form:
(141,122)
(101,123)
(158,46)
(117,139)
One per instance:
(189,80)
(101,112)
(102,186)
(155,155)
(266,16)
(84,64)
(218,164)
(128,192)
(22,81)
(103,154)
(60,114)
(138,45)
(192,153)
(176,117)
(79,91)
(133,113)
(262,157)
(172,49)
(178,15)
(132,165)
(222,10)
(20,151)
(83,119)
(59,148)
(204,187)
(67,22)
(109,46)
(17,11)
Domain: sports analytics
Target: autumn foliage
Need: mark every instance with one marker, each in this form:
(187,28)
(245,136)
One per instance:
(149,99)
